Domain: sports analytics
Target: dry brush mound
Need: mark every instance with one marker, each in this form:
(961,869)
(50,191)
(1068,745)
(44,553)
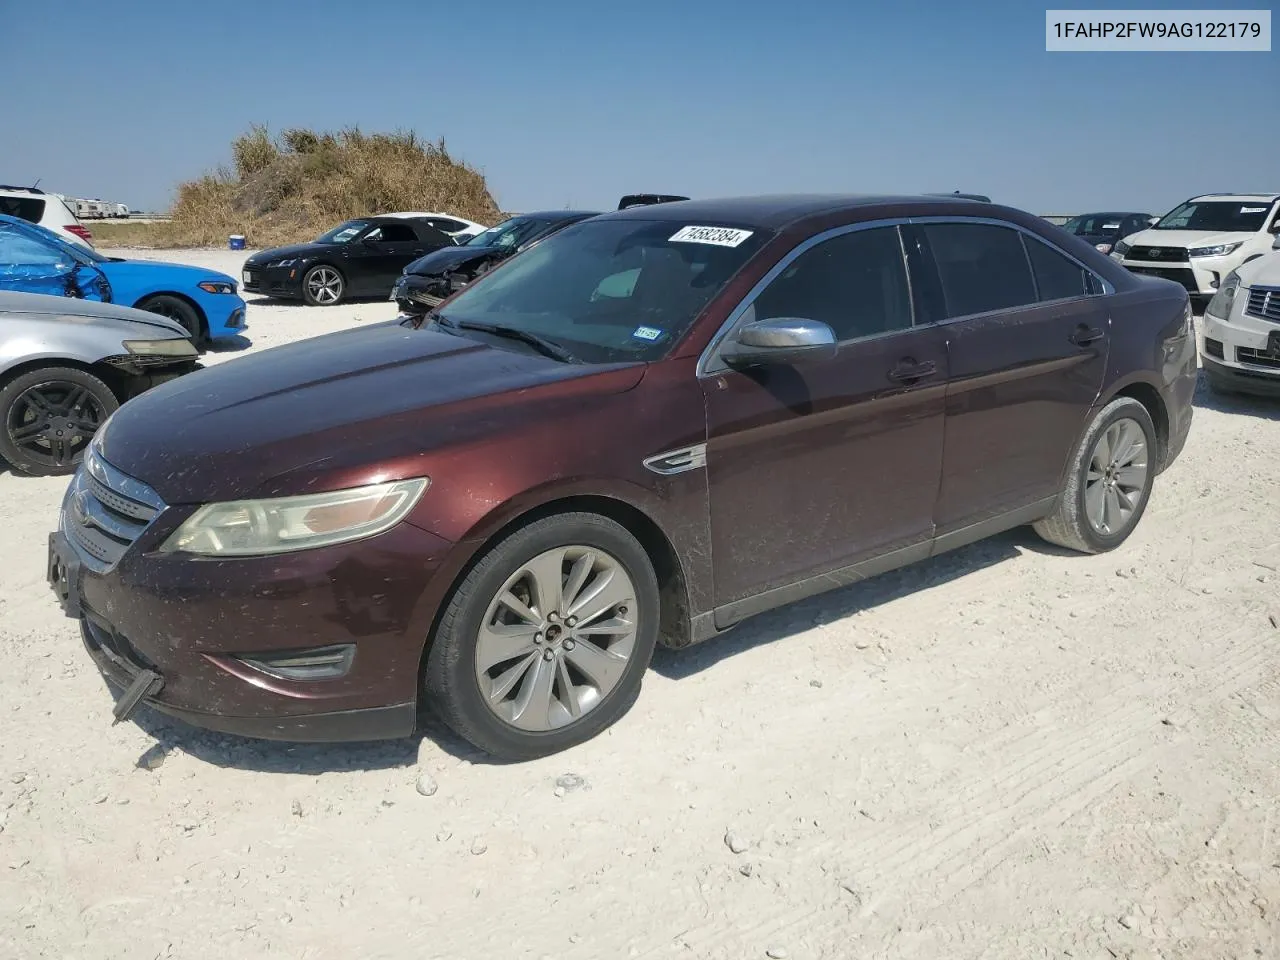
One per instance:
(295,186)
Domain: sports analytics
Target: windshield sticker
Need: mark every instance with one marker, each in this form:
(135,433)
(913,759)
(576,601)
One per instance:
(716,236)
(1253,209)
(647,333)
(1111,226)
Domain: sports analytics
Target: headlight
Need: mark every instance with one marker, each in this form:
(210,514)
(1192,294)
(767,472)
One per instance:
(1220,250)
(1220,305)
(283,263)
(1104,247)
(247,528)
(1122,248)
(174,347)
(216,286)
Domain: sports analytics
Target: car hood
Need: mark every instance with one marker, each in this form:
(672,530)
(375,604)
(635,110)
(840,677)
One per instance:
(177,275)
(449,258)
(292,252)
(351,407)
(1263,272)
(90,313)
(1185,238)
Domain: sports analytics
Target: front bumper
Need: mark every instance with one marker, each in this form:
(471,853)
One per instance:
(1201,276)
(1243,352)
(191,621)
(282,282)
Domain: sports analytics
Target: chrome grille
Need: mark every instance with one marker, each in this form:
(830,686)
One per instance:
(105,511)
(1264,303)
(1257,358)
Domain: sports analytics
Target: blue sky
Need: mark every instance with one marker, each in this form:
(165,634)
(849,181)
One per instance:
(575,103)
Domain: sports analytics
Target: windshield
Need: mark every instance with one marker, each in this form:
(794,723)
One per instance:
(343,232)
(1093,225)
(613,290)
(1217,216)
(509,234)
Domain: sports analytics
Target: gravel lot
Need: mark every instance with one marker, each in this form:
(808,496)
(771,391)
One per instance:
(1009,752)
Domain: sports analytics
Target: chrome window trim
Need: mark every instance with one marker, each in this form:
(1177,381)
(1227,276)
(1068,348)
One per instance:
(709,363)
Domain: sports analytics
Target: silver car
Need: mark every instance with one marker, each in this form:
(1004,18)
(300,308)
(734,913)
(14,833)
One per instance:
(66,365)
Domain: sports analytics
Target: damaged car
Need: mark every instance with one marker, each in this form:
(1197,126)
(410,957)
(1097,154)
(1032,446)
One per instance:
(66,365)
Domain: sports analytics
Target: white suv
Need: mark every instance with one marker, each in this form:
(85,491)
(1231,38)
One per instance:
(1201,241)
(461,230)
(1241,348)
(45,209)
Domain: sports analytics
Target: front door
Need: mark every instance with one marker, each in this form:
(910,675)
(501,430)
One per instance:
(1027,338)
(817,465)
(384,252)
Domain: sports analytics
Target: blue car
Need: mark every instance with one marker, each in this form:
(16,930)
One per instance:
(36,260)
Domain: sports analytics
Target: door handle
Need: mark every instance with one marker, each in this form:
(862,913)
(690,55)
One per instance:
(908,371)
(1085,335)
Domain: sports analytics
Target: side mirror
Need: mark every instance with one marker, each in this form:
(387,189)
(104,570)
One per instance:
(779,340)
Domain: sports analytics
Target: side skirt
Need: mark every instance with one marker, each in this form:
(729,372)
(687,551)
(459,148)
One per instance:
(706,625)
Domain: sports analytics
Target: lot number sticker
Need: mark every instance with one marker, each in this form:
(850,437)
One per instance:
(716,236)
(647,333)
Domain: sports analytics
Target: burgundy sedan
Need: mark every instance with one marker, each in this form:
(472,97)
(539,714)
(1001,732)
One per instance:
(643,430)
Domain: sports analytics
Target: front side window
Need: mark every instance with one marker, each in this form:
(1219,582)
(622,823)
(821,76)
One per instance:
(392,233)
(611,290)
(1218,216)
(855,283)
(982,267)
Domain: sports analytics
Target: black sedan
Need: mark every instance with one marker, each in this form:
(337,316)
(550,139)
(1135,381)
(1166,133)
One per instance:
(428,281)
(358,258)
(1105,230)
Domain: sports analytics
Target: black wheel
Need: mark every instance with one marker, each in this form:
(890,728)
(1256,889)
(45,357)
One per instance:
(175,308)
(49,416)
(545,642)
(323,286)
(1110,481)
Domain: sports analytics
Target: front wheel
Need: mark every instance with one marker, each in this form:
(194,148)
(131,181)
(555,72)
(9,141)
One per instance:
(1110,481)
(545,642)
(175,308)
(323,286)
(48,417)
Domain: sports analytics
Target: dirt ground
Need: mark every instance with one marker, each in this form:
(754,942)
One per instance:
(1006,753)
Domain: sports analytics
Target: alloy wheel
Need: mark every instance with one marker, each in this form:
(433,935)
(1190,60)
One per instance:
(53,422)
(1116,478)
(324,285)
(557,638)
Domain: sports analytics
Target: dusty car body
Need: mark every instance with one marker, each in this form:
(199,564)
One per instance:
(654,424)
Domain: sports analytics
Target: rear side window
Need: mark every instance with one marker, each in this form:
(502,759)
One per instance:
(24,208)
(982,267)
(1057,277)
(447,225)
(855,283)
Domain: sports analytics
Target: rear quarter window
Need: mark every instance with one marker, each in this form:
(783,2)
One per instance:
(25,208)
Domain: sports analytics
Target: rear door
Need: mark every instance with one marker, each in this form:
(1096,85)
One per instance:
(1027,336)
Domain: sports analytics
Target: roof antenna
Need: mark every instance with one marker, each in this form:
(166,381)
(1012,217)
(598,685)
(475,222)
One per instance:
(37,183)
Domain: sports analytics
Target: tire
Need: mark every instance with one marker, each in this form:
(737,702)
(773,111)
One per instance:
(464,675)
(48,416)
(175,308)
(1070,525)
(323,286)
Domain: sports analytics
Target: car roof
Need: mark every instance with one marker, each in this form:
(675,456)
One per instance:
(556,215)
(1110,213)
(1268,197)
(773,212)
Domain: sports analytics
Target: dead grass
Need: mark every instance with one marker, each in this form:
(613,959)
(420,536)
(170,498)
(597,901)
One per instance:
(295,186)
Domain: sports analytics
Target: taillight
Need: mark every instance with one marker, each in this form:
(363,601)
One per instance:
(81,232)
